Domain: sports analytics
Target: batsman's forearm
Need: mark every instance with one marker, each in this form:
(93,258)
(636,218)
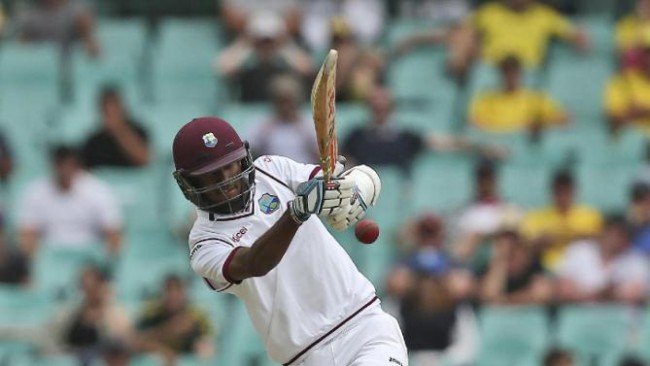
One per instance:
(268,250)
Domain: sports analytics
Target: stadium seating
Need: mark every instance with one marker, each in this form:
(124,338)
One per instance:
(593,331)
(57,268)
(512,335)
(441,183)
(182,61)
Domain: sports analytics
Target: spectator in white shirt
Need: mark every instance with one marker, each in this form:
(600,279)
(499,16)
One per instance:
(366,18)
(481,218)
(286,131)
(605,269)
(72,208)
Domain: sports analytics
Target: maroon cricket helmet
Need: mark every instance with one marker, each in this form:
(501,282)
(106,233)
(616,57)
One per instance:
(201,148)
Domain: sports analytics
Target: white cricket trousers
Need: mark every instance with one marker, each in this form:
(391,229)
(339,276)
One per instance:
(374,339)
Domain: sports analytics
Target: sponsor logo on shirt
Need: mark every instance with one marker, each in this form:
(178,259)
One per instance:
(240,234)
(391,359)
(269,203)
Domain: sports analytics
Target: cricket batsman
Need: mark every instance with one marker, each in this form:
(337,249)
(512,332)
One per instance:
(259,236)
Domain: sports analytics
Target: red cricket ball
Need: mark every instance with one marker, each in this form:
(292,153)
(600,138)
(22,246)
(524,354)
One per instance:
(366,231)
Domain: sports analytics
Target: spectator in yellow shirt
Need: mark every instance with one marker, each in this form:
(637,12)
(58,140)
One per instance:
(630,33)
(627,96)
(553,228)
(514,108)
(522,28)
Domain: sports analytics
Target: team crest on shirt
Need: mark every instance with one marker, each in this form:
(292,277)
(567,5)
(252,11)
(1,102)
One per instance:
(269,203)
(210,140)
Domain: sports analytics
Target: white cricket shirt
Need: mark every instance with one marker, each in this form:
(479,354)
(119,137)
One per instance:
(314,289)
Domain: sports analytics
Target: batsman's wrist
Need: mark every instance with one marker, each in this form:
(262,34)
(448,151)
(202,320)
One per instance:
(298,216)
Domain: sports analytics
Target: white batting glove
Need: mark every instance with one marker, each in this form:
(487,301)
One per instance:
(367,187)
(315,196)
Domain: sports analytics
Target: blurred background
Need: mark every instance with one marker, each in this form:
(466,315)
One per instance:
(511,137)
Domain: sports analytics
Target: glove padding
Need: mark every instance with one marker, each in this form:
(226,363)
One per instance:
(367,187)
(315,196)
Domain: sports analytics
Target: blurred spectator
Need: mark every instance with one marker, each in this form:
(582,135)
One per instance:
(479,220)
(115,352)
(514,108)
(14,266)
(553,228)
(120,141)
(59,21)
(558,357)
(437,327)
(638,211)
(383,142)
(171,326)
(423,242)
(236,14)
(605,269)
(365,18)
(522,28)
(644,173)
(359,68)
(630,34)
(286,132)
(515,275)
(638,217)
(6,159)
(632,361)
(71,208)
(83,328)
(627,96)
(254,59)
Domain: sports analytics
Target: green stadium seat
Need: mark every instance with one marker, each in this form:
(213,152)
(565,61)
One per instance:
(596,146)
(29,64)
(242,346)
(512,335)
(441,183)
(22,311)
(421,77)
(244,117)
(577,83)
(643,340)
(525,184)
(606,186)
(593,331)
(57,269)
(164,120)
(178,77)
(140,276)
(140,193)
(59,360)
(123,43)
(75,123)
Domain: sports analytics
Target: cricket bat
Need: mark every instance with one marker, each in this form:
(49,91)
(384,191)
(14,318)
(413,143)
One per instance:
(323,105)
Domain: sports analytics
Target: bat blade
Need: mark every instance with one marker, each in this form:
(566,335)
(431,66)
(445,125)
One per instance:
(323,104)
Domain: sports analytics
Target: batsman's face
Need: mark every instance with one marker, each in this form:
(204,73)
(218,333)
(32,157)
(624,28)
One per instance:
(226,176)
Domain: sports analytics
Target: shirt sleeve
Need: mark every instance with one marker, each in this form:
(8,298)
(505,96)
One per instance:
(30,211)
(559,25)
(478,112)
(550,111)
(210,258)
(108,210)
(286,171)
(616,102)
